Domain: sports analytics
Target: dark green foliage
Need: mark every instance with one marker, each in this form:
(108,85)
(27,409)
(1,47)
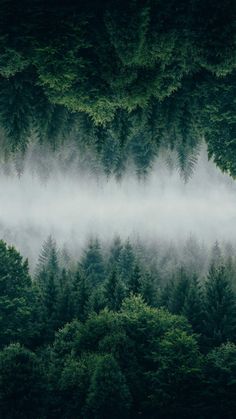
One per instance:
(126,262)
(148,289)
(22,383)
(114,291)
(219,307)
(17,298)
(80,295)
(220,371)
(101,354)
(108,394)
(177,377)
(122,78)
(92,264)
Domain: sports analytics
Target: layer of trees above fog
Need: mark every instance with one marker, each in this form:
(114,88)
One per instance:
(120,78)
(122,332)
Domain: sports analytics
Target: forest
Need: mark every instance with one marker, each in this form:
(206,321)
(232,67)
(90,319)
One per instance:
(118,149)
(120,78)
(127,330)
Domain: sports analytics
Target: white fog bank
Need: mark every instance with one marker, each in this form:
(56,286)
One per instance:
(71,208)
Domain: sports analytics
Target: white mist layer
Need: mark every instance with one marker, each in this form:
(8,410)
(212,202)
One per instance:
(73,208)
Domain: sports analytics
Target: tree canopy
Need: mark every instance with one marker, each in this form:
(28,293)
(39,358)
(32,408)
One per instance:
(123,76)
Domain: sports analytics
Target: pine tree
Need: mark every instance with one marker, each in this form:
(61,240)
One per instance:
(48,279)
(64,258)
(180,291)
(80,294)
(193,307)
(92,264)
(135,280)
(148,289)
(96,301)
(216,255)
(114,252)
(219,307)
(16,298)
(48,258)
(16,103)
(65,309)
(126,262)
(114,291)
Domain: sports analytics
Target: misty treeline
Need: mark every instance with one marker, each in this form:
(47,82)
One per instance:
(121,332)
(120,78)
(78,154)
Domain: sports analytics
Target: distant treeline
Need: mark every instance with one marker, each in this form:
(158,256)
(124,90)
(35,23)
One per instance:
(122,78)
(118,333)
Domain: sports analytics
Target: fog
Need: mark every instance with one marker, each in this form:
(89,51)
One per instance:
(73,207)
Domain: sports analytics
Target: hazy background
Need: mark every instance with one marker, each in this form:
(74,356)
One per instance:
(72,207)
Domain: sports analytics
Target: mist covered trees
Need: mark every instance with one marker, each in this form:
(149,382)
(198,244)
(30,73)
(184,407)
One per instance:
(117,333)
(122,78)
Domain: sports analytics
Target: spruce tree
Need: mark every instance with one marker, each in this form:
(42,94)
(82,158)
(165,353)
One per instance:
(93,264)
(114,291)
(180,291)
(135,280)
(126,262)
(17,297)
(219,307)
(193,306)
(80,294)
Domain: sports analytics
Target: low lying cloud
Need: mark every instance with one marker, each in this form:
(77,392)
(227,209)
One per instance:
(72,208)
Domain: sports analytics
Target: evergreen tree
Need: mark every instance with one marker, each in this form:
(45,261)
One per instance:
(65,309)
(219,307)
(220,382)
(126,262)
(80,295)
(96,300)
(16,298)
(216,255)
(92,264)
(22,384)
(114,291)
(135,280)
(108,394)
(16,110)
(48,257)
(50,286)
(193,307)
(180,291)
(148,289)
(114,252)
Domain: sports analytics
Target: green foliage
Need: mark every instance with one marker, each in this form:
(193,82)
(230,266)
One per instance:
(219,307)
(17,297)
(22,383)
(144,74)
(98,353)
(92,264)
(114,291)
(108,393)
(220,381)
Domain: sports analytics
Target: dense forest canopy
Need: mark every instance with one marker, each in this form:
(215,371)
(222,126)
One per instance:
(126,327)
(121,78)
(118,334)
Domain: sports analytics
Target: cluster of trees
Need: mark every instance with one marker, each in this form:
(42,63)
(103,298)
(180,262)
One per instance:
(114,335)
(121,78)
